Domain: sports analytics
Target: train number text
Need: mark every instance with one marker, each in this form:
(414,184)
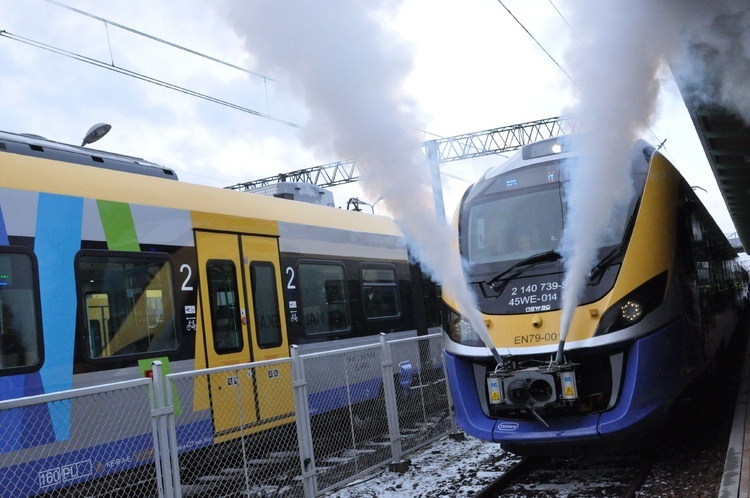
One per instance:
(535,338)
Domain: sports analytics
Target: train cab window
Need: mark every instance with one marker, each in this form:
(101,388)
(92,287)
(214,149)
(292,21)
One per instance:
(493,238)
(21,346)
(324,299)
(225,307)
(266,304)
(380,292)
(128,302)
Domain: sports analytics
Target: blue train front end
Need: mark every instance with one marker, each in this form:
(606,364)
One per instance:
(623,406)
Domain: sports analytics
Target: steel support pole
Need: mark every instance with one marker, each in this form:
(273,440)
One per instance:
(304,428)
(433,160)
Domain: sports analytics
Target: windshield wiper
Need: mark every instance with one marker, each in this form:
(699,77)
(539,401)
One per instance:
(501,280)
(606,260)
(617,250)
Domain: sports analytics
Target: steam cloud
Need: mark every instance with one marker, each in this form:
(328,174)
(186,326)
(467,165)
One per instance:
(625,49)
(340,59)
(715,63)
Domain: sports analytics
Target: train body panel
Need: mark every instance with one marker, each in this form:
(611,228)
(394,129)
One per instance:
(663,299)
(123,269)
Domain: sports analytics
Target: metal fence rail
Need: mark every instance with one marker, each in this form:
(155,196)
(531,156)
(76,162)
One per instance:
(298,426)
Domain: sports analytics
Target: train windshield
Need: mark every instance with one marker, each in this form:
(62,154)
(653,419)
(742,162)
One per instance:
(517,215)
(514,227)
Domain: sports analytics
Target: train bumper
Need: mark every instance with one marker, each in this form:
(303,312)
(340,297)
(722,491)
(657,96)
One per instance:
(652,378)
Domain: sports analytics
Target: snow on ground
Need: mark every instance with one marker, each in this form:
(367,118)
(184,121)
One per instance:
(447,468)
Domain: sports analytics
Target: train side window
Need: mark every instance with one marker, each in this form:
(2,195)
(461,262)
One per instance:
(226,322)
(324,299)
(266,305)
(21,345)
(380,292)
(128,302)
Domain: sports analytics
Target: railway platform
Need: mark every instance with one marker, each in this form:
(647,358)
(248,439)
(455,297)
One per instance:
(735,481)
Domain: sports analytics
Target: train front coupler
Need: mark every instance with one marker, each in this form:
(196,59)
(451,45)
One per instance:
(533,388)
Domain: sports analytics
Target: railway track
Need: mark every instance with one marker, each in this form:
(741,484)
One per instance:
(614,476)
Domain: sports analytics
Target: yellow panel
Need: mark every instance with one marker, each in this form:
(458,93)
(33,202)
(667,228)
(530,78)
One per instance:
(275,396)
(239,212)
(652,246)
(237,224)
(527,330)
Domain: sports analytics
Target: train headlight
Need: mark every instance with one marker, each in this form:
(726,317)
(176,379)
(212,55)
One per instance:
(631,311)
(632,308)
(459,329)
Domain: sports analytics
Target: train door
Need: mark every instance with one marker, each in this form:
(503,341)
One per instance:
(241,306)
(265,297)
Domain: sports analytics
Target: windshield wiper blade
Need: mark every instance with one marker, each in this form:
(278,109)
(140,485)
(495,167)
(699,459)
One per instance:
(501,280)
(617,250)
(606,260)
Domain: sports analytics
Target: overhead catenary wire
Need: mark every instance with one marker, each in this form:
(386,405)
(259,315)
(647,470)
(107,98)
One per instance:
(142,77)
(564,20)
(157,39)
(558,65)
(539,44)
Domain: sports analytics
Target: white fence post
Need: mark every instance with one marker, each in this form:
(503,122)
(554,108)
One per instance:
(172,432)
(304,431)
(162,409)
(391,407)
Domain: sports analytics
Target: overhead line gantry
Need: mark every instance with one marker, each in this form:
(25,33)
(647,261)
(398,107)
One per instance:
(456,148)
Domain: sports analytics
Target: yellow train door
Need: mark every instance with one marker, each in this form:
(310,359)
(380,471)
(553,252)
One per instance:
(263,274)
(241,306)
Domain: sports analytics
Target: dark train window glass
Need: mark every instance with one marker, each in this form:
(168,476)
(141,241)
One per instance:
(494,238)
(128,303)
(225,306)
(324,300)
(266,304)
(21,346)
(380,292)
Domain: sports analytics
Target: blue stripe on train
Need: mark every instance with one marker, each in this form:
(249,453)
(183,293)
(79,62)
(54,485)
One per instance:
(334,399)
(56,242)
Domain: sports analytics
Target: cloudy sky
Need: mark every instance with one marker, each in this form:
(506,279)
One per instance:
(467,66)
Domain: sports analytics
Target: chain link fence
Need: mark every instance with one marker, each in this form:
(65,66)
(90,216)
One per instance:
(67,444)
(235,431)
(423,404)
(298,426)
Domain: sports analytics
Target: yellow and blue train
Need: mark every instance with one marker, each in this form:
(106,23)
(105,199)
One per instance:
(657,308)
(107,261)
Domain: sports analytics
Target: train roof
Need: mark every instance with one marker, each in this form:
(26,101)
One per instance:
(251,213)
(544,150)
(36,146)
(556,148)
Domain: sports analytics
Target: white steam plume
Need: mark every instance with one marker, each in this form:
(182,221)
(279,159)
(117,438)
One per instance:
(616,69)
(625,46)
(338,57)
(716,62)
